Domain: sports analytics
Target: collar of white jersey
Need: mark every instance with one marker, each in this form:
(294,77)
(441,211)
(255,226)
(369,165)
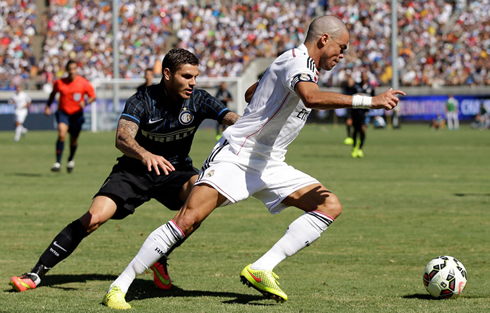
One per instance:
(303,48)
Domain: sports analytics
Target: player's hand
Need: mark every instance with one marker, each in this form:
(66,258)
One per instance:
(47,111)
(156,162)
(82,104)
(387,100)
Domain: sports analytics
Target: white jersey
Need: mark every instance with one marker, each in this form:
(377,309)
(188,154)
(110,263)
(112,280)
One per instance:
(275,115)
(20,100)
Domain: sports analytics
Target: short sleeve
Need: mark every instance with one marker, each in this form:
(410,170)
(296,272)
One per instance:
(212,107)
(299,69)
(56,86)
(89,90)
(134,109)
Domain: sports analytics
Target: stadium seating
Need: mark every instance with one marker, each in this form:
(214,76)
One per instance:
(439,43)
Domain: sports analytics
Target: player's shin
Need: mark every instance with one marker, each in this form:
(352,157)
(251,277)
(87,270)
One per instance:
(300,234)
(159,242)
(61,247)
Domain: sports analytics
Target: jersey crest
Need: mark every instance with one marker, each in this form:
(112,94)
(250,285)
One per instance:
(186,117)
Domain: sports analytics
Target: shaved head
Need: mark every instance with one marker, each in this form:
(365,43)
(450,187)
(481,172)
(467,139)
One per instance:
(329,24)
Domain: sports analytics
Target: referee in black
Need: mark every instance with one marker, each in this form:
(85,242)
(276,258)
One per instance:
(155,133)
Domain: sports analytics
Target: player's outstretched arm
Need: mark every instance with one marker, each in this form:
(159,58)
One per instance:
(387,100)
(126,142)
(230,118)
(314,98)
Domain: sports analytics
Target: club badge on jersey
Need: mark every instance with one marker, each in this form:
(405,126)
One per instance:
(186,117)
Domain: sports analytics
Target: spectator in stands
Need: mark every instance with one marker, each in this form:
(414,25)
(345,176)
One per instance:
(440,45)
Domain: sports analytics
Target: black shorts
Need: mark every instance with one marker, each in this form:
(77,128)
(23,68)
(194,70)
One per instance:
(359,117)
(130,185)
(348,114)
(74,121)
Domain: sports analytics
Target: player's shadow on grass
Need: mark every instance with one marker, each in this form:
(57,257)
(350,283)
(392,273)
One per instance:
(472,194)
(54,281)
(24,174)
(142,289)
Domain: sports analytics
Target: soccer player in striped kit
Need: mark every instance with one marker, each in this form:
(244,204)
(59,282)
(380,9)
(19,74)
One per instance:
(155,133)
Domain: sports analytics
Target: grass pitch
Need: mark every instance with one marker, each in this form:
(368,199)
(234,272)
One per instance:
(416,194)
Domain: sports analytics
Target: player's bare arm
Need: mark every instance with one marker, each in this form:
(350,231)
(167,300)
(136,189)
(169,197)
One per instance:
(250,92)
(314,98)
(47,110)
(125,141)
(83,104)
(230,118)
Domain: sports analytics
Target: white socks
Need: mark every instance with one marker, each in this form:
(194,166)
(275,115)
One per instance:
(18,132)
(301,233)
(156,245)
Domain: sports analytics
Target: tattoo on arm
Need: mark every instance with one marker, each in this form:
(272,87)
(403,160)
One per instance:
(230,118)
(125,139)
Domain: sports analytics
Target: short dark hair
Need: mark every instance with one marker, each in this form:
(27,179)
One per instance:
(70,62)
(175,58)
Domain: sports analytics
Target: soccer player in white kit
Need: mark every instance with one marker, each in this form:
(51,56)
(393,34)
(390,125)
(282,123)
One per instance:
(21,101)
(249,161)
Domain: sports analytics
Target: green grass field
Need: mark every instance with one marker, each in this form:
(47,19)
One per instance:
(416,195)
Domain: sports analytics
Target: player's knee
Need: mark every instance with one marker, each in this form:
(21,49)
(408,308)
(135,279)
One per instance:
(91,222)
(332,206)
(187,220)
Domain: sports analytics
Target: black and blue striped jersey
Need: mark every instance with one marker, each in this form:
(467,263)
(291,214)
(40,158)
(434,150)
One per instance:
(168,129)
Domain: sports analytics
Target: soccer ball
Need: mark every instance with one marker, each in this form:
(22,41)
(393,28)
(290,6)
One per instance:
(445,277)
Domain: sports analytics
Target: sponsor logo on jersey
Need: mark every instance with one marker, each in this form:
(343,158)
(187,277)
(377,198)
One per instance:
(150,121)
(303,114)
(172,136)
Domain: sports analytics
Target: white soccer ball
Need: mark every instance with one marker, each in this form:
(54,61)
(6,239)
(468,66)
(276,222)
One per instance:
(445,277)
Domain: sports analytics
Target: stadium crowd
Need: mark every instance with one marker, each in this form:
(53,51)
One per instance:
(440,43)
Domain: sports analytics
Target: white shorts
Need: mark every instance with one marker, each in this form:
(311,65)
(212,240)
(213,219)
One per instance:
(20,116)
(238,178)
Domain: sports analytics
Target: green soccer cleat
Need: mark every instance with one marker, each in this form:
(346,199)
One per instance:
(348,141)
(264,281)
(360,154)
(354,152)
(114,299)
